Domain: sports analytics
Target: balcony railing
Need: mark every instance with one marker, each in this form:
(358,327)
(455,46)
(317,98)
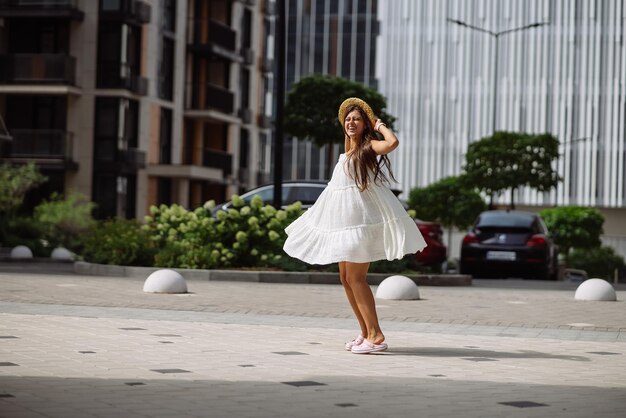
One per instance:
(134,10)
(41,144)
(115,75)
(132,159)
(218,159)
(211,97)
(41,8)
(37,69)
(206,33)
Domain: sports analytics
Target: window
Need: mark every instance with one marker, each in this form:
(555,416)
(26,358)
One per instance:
(166,72)
(246,35)
(169,15)
(245,88)
(110,5)
(165,137)
(115,70)
(243,148)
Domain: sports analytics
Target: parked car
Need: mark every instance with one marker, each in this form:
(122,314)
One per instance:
(307,193)
(509,243)
(303,191)
(436,252)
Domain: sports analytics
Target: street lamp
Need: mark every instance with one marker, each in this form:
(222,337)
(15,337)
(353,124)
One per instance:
(496,36)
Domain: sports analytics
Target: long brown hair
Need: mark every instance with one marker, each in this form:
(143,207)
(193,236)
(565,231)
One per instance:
(363,158)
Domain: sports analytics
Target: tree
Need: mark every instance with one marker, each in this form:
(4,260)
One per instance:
(64,219)
(447,201)
(574,227)
(15,182)
(313,102)
(509,160)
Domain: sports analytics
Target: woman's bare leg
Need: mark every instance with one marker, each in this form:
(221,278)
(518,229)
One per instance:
(356,278)
(351,299)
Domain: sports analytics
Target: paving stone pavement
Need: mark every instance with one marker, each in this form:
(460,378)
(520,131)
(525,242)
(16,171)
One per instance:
(76,346)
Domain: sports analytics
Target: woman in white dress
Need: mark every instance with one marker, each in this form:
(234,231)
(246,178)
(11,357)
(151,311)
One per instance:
(357,219)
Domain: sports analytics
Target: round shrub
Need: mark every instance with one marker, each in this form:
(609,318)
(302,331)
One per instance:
(118,241)
(599,262)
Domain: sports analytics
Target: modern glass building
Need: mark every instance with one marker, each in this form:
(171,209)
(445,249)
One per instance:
(566,76)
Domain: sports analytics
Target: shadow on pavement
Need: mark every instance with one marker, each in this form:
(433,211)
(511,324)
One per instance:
(477,353)
(313,396)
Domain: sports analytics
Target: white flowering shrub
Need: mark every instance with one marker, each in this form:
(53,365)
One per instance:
(243,236)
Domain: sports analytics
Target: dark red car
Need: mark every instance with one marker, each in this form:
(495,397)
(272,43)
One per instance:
(436,252)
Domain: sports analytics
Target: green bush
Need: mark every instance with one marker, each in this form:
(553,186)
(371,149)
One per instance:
(118,241)
(574,226)
(599,262)
(244,236)
(15,182)
(65,219)
(26,231)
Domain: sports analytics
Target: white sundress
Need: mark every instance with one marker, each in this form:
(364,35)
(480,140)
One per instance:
(346,224)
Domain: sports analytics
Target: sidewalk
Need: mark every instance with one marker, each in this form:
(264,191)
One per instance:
(82,346)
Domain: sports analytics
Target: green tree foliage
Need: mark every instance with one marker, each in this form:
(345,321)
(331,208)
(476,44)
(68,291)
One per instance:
(447,201)
(313,103)
(65,218)
(118,241)
(15,181)
(509,160)
(574,226)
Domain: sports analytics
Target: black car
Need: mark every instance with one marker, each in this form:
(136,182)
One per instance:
(509,244)
(303,191)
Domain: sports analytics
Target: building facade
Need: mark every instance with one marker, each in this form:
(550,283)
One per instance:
(566,77)
(135,102)
(333,37)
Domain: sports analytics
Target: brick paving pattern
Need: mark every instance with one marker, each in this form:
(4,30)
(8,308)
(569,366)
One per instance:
(79,346)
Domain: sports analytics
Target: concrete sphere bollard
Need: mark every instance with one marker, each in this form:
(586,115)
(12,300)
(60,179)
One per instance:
(595,289)
(61,253)
(399,288)
(21,252)
(165,281)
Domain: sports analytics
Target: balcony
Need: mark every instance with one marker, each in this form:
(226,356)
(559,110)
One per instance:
(38,69)
(245,115)
(40,144)
(64,9)
(131,160)
(211,97)
(218,159)
(132,11)
(212,37)
(107,156)
(115,75)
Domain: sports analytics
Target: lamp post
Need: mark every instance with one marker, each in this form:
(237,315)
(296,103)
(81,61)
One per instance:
(279,47)
(496,36)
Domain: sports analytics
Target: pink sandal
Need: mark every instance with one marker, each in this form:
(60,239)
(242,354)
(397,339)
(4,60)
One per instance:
(367,347)
(357,341)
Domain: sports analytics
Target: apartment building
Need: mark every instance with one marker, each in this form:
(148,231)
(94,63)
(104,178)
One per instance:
(136,102)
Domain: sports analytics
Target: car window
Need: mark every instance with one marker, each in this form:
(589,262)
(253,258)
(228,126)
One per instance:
(505,219)
(267,194)
(305,194)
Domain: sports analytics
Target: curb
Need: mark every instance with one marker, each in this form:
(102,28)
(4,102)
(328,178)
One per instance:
(81,267)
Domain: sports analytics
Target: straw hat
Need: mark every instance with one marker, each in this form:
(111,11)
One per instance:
(356,101)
